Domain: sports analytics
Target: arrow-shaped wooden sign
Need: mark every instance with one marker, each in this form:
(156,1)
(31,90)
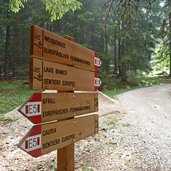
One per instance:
(46,107)
(42,139)
(47,75)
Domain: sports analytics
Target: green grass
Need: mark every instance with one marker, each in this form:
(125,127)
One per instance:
(7,118)
(113,93)
(112,122)
(12,95)
(113,87)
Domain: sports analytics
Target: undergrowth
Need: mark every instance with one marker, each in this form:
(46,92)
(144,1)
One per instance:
(12,95)
(112,86)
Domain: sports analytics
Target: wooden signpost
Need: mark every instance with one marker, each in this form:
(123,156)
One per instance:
(63,65)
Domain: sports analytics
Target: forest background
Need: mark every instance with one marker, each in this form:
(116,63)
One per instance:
(132,38)
(132,35)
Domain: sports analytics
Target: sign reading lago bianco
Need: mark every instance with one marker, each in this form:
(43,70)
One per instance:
(50,75)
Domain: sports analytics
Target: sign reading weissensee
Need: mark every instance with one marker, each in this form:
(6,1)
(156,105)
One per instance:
(42,139)
(45,107)
(58,49)
(50,75)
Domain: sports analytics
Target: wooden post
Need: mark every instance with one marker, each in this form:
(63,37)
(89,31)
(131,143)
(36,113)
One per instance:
(65,158)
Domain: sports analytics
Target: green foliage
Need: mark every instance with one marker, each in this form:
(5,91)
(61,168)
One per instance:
(113,93)
(106,61)
(56,8)
(15,5)
(112,122)
(7,118)
(22,70)
(113,87)
(125,36)
(160,59)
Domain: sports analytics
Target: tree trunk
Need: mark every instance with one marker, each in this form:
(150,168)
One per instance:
(0,73)
(124,76)
(170,35)
(123,65)
(6,57)
(115,55)
(119,51)
(106,49)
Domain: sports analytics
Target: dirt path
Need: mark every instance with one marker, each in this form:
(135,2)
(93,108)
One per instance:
(135,135)
(148,137)
(141,139)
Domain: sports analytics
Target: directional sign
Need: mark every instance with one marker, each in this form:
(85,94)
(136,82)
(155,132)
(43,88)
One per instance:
(45,74)
(45,107)
(55,48)
(42,139)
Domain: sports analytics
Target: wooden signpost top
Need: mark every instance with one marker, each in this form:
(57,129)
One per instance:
(42,139)
(59,63)
(61,50)
(46,107)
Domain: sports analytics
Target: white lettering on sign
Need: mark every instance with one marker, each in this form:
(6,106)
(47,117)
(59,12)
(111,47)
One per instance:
(97,82)
(32,143)
(97,61)
(32,109)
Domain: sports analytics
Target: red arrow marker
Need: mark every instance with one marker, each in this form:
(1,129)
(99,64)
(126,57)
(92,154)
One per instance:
(32,142)
(97,61)
(32,109)
(97,82)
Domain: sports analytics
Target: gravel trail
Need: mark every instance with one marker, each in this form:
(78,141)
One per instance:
(148,116)
(134,135)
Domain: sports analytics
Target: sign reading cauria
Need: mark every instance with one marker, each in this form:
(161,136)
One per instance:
(42,139)
(58,49)
(54,76)
(45,107)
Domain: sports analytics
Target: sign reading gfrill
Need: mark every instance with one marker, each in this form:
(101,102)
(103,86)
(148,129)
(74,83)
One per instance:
(46,107)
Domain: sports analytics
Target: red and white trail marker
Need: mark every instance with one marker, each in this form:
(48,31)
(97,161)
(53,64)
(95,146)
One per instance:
(32,109)
(97,62)
(97,82)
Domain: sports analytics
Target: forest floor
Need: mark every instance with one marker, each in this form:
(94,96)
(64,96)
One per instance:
(134,135)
